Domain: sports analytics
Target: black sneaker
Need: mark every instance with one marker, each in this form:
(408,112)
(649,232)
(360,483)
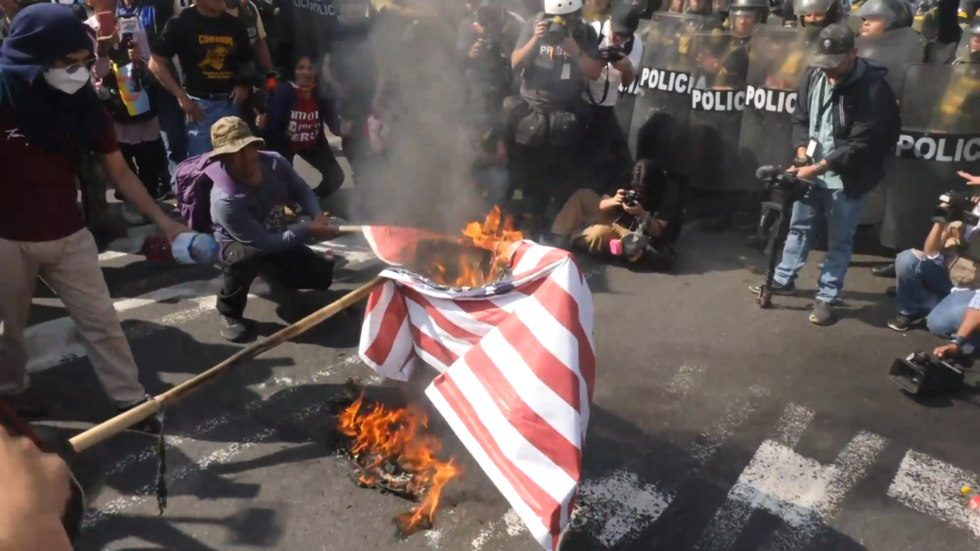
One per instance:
(903,323)
(777,289)
(822,314)
(237,330)
(888,270)
(150,425)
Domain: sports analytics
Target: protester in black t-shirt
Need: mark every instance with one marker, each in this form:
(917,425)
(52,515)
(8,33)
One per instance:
(650,207)
(215,54)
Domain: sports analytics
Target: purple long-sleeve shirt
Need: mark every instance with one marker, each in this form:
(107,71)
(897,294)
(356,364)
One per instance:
(253,214)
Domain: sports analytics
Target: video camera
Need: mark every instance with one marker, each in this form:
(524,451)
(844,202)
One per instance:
(959,209)
(922,374)
(782,190)
(632,198)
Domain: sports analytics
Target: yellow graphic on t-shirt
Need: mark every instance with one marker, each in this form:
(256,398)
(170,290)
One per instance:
(218,49)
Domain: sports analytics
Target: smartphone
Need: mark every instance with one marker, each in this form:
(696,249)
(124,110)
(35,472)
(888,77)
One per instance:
(107,23)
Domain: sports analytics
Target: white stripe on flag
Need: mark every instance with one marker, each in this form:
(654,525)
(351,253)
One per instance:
(552,334)
(534,393)
(531,257)
(569,278)
(530,460)
(424,323)
(537,529)
(460,317)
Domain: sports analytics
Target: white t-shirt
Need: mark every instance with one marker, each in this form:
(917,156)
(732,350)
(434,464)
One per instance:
(615,77)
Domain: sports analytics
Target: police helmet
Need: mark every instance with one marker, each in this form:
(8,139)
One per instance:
(896,11)
(760,7)
(974,28)
(562,7)
(832,8)
(923,7)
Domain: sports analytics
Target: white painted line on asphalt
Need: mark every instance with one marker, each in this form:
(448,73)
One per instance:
(687,377)
(799,490)
(56,341)
(932,487)
(508,526)
(215,422)
(624,506)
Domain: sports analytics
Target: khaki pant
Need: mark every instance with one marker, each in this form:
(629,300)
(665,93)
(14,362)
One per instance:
(70,266)
(582,211)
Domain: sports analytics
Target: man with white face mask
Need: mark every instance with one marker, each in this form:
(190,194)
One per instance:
(49,115)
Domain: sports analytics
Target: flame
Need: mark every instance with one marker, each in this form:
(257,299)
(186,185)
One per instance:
(491,235)
(380,436)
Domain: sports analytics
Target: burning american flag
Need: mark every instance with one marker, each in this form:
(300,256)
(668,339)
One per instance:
(516,363)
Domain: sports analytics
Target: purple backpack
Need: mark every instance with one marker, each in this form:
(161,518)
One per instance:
(193,182)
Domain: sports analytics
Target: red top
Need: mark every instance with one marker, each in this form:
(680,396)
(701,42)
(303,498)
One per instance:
(38,191)
(304,123)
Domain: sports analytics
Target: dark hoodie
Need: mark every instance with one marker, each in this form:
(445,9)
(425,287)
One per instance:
(866,125)
(58,122)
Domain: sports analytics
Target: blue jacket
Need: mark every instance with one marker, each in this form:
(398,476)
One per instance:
(281,104)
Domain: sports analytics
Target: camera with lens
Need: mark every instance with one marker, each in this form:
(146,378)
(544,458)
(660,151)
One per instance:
(614,53)
(261,91)
(922,374)
(490,23)
(559,28)
(632,198)
(958,208)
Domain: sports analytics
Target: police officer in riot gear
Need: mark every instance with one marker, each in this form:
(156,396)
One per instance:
(818,13)
(555,55)
(971,53)
(881,16)
(744,15)
(925,18)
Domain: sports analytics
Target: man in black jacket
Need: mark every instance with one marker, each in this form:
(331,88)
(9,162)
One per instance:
(845,123)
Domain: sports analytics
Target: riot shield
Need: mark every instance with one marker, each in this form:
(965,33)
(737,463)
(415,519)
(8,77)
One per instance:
(717,100)
(659,128)
(895,50)
(940,136)
(780,57)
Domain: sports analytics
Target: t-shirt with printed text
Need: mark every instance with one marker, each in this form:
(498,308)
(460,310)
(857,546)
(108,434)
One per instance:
(212,50)
(304,124)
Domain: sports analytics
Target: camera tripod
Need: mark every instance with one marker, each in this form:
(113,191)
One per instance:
(783,190)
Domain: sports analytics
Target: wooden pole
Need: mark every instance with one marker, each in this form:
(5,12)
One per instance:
(125,420)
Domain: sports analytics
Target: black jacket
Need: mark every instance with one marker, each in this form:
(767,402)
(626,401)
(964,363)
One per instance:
(866,125)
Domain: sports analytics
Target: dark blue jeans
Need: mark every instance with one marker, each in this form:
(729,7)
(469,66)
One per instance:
(915,277)
(172,128)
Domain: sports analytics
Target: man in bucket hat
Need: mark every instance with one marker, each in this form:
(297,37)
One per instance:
(845,123)
(249,197)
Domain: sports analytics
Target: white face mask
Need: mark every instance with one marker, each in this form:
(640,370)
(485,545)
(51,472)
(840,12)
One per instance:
(68,83)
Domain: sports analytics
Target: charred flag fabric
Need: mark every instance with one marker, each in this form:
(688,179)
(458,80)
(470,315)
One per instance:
(517,369)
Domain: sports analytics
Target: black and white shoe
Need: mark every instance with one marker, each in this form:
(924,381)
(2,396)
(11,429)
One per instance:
(150,425)
(903,323)
(778,289)
(237,330)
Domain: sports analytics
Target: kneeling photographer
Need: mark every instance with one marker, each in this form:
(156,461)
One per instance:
(555,54)
(640,223)
(938,279)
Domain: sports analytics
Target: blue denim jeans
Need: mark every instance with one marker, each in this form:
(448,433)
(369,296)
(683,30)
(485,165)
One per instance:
(842,216)
(915,277)
(946,318)
(199,133)
(172,128)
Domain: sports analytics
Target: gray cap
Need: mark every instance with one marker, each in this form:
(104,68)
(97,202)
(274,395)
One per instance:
(834,43)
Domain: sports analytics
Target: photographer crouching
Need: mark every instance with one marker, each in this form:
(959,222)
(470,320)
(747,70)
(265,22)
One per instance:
(641,224)
(934,284)
(555,54)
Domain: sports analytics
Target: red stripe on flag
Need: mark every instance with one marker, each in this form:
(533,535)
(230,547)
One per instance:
(539,501)
(391,321)
(534,428)
(545,365)
(374,298)
(564,309)
(433,347)
(515,258)
(439,318)
(483,311)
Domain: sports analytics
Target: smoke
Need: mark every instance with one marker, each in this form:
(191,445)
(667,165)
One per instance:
(408,62)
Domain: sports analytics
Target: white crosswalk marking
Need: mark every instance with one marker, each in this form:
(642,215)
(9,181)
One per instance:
(931,486)
(799,490)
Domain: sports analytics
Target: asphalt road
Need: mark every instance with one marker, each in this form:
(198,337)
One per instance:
(715,425)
